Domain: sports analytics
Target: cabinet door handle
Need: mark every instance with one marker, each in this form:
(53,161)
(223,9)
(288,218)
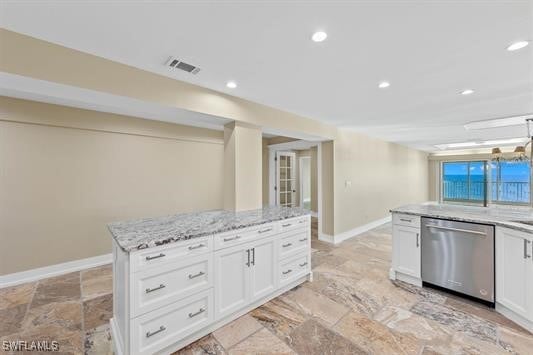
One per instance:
(303,264)
(191,276)
(161,329)
(149,257)
(302,221)
(526,242)
(286,225)
(405,220)
(200,311)
(253,256)
(248,262)
(287,245)
(264,230)
(417,241)
(303,240)
(148,290)
(232,238)
(192,247)
(286,272)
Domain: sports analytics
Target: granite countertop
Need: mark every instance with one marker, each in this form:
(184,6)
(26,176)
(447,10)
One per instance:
(505,216)
(150,232)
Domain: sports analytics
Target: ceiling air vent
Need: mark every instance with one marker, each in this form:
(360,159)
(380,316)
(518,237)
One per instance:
(178,64)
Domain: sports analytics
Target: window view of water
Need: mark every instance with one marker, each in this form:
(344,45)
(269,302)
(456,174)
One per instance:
(467,181)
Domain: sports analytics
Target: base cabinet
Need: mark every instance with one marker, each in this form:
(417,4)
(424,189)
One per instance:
(406,248)
(169,296)
(514,271)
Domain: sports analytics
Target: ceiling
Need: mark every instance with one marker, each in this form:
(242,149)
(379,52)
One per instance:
(428,50)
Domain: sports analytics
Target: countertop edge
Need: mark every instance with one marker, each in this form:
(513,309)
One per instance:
(186,237)
(510,225)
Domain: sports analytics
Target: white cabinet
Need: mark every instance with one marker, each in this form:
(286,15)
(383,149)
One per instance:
(166,297)
(244,273)
(263,269)
(406,250)
(232,279)
(514,271)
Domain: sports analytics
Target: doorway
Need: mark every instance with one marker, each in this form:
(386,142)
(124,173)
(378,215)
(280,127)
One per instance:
(305,182)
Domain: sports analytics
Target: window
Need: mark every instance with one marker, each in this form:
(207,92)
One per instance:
(464,182)
(467,182)
(510,182)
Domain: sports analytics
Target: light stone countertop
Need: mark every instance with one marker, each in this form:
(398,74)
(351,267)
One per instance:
(505,216)
(150,232)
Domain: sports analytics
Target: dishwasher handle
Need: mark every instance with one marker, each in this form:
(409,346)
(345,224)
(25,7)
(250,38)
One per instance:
(457,230)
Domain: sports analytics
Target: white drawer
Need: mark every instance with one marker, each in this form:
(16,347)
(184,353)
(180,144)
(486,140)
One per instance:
(293,242)
(239,236)
(293,223)
(154,288)
(294,268)
(162,327)
(169,253)
(406,220)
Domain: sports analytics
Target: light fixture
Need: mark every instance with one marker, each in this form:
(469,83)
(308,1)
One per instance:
(517,45)
(519,153)
(467,92)
(496,154)
(231,84)
(472,144)
(498,122)
(319,36)
(384,84)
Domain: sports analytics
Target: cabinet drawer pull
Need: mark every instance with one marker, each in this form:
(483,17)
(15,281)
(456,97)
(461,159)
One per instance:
(303,240)
(302,221)
(287,245)
(148,290)
(264,230)
(286,225)
(191,276)
(161,329)
(200,311)
(192,247)
(232,238)
(149,257)
(526,256)
(286,272)
(303,264)
(406,220)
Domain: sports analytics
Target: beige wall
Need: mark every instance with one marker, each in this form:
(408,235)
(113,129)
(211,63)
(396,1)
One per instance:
(66,172)
(265,156)
(383,176)
(242,167)
(327,212)
(314,180)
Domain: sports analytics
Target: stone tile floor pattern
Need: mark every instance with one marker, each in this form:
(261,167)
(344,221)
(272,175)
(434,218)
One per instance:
(351,307)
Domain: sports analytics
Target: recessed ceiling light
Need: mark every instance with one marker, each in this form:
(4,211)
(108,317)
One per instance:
(384,84)
(319,36)
(517,45)
(467,92)
(231,84)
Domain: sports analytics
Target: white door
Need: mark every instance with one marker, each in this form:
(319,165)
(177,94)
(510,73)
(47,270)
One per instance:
(232,279)
(285,179)
(263,269)
(406,250)
(514,271)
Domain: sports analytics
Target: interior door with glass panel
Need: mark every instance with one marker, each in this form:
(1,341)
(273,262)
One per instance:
(286,179)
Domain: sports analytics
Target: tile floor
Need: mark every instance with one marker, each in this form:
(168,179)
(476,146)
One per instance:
(350,308)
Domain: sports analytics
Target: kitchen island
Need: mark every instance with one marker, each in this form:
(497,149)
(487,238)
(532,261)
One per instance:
(462,248)
(178,278)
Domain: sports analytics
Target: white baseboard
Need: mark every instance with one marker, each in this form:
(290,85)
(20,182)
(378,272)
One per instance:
(337,238)
(18,278)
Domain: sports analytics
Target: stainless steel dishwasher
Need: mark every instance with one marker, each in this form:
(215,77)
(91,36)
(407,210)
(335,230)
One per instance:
(459,256)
